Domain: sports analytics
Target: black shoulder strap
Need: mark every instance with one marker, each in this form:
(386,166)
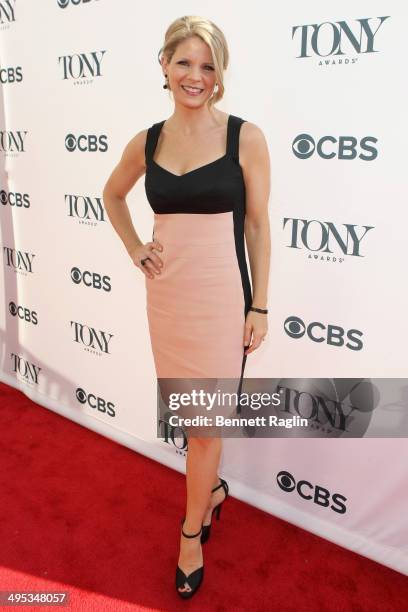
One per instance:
(233,136)
(151,140)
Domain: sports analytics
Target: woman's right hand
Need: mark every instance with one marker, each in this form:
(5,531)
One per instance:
(153,264)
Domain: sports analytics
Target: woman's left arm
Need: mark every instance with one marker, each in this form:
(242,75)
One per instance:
(255,163)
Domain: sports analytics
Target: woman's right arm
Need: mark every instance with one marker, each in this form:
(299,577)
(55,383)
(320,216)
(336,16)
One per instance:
(124,176)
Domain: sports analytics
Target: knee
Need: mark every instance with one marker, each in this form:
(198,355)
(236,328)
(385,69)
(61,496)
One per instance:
(203,443)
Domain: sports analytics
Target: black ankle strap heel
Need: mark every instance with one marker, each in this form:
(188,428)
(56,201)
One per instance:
(194,579)
(206,529)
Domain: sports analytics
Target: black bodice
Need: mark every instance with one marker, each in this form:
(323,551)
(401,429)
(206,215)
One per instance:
(216,187)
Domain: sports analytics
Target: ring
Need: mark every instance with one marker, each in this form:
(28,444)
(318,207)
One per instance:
(142,261)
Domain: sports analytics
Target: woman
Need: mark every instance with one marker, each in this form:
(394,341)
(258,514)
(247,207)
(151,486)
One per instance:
(207,180)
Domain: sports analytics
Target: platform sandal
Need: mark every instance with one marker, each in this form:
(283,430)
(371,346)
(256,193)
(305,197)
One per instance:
(194,579)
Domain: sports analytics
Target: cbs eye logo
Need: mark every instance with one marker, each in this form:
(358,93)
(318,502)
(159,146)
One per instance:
(30,316)
(286,481)
(14,199)
(344,147)
(309,492)
(81,396)
(90,279)
(303,146)
(95,402)
(294,327)
(318,332)
(86,143)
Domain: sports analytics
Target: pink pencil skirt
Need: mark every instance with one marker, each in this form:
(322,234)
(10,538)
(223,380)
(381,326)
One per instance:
(195,307)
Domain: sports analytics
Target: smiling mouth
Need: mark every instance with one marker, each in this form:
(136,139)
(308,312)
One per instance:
(193,91)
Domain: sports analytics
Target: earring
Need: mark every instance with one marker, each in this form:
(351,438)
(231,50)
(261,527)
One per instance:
(165,86)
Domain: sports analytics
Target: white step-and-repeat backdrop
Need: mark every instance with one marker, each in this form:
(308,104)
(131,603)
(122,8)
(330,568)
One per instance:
(79,78)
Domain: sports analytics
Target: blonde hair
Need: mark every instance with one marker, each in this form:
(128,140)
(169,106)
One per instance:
(190,25)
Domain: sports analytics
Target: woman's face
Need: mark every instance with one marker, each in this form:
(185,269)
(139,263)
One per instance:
(191,72)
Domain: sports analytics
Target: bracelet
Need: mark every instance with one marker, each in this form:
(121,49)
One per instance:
(261,310)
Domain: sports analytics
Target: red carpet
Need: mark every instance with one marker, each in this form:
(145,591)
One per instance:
(84,514)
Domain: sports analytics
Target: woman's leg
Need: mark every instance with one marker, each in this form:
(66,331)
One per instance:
(203,458)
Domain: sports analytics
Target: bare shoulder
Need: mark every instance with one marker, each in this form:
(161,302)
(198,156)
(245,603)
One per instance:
(131,167)
(251,135)
(134,151)
(252,144)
